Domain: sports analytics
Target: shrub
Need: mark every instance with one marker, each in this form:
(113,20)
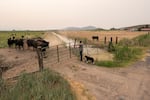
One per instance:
(126,53)
(123,55)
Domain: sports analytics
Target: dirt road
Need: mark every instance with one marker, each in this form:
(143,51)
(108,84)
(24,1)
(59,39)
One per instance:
(128,83)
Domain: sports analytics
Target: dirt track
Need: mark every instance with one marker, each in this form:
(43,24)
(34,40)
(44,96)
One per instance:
(128,83)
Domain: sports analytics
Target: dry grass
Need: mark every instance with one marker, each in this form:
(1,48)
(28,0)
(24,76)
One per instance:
(88,34)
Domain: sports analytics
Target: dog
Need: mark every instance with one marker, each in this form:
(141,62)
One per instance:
(87,59)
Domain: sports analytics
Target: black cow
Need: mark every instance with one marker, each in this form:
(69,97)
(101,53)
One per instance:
(10,42)
(95,37)
(35,43)
(31,43)
(19,43)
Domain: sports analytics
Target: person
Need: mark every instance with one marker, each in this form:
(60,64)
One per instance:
(81,50)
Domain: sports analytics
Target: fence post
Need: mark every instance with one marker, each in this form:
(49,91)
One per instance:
(1,73)
(69,50)
(116,40)
(111,39)
(75,43)
(40,58)
(105,40)
(57,53)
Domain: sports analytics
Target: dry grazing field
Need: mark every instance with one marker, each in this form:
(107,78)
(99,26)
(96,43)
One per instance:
(101,34)
(100,51)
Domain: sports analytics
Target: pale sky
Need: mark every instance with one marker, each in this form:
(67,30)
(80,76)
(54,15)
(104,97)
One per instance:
(58,14)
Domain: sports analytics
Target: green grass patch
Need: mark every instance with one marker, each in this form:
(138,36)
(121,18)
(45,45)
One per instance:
(4,35)
(123,55)
(109,64)
(127,51)
(46,85)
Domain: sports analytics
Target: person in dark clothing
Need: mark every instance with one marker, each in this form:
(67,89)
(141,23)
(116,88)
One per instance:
(81,50)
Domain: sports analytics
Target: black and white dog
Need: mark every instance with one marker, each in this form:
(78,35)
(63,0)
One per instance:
(87,59)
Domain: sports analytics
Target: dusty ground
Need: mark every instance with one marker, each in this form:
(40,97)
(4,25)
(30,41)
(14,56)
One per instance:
(91,82)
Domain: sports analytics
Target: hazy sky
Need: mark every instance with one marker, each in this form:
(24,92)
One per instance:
(51,14)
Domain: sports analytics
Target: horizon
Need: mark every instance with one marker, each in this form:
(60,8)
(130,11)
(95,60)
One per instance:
(56,14)
(70,27)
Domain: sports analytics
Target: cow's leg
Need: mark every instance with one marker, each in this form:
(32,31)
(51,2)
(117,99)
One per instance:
(15,46)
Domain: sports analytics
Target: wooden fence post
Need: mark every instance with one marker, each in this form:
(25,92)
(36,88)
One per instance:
(40,58)
(75,43)
(111,39)
(70,50)
(105,40)
(116,40)
(1,73)
(57,53)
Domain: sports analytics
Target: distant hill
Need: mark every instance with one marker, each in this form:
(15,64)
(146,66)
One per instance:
(136,27)
(81,28)
(144,27)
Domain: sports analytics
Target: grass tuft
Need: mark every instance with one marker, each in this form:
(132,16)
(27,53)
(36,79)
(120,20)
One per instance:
(46,85)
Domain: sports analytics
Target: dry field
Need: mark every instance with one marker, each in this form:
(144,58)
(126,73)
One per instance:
(96,53)
(102,34)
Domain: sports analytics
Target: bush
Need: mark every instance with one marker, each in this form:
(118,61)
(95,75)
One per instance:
(123,55)
(126,53)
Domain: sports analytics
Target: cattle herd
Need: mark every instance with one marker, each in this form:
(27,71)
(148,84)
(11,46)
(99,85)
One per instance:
(33,42)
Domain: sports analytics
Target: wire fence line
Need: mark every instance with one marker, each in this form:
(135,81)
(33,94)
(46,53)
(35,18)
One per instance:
(61,53)
(67,51)
(56,54)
